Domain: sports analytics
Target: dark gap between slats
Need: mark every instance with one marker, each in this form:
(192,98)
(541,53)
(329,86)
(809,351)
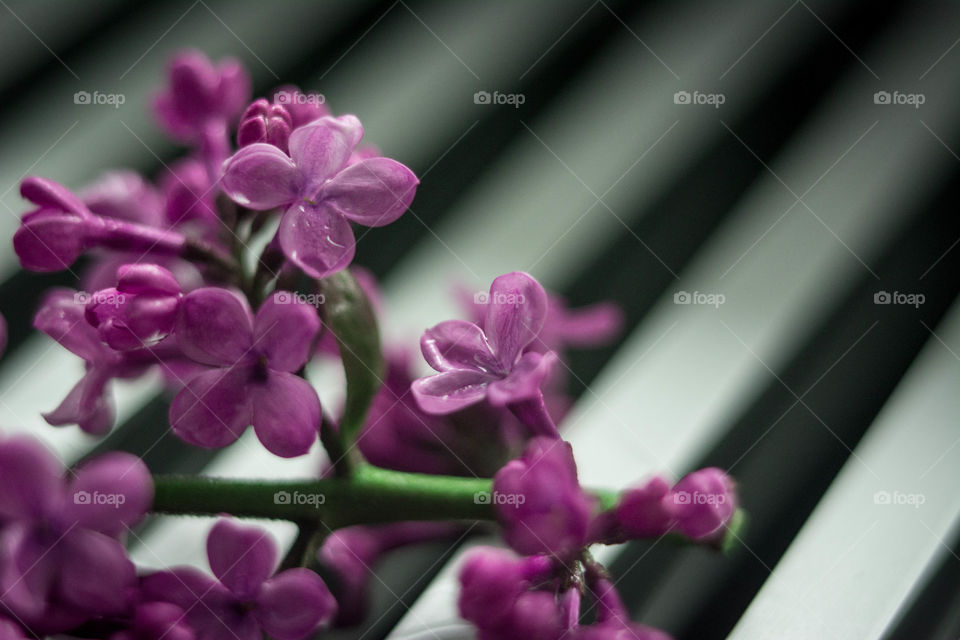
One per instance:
(784,476)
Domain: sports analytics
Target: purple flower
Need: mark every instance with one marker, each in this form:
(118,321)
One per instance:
(648,511)
(705,501)
(9,630)
(124,195)
(156,621)
(320,192)
(489,363)
(200,94)
(253,381)
(303,108)
(539,502)
(189,194)
(699,506)
(265,122)
(88,404)
(52,236)
(246,599)
(58,533)
(140,311)
(497,596)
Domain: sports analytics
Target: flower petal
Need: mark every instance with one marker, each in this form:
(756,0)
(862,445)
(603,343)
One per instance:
(450,391)
(293,604)
(458,345)
(241,557)
(32,483)
(286,414)
(110,493)
(88,404)
(317,239)
(85,554)
(284,330)
(50,240)
(372,192)
(261,176)
(61,317)
(214,327)
(182,586)
(213,409)
(524,381)
(47,193)
(323,147)
(516,311)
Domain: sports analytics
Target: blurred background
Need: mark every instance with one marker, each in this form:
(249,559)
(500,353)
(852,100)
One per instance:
(770,191)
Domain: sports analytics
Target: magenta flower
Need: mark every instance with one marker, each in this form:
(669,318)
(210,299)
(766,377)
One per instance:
(265,122)
(9,630)
(52,236)
(476,363)
(124,195)
(648,511)
(189,194)
(88,404)
(253,381)
(58,532)
(539,502)
(140,311)
(303,108)
(320,192)
(246,599)
(705,501)
(156,621)
(200,95)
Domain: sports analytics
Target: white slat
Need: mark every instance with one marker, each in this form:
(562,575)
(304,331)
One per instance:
(688,370)
(891,514)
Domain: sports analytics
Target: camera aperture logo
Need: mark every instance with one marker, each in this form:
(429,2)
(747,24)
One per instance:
(109,99)
(699,98)
(106,297)
(296,97)
(512,99)
(496,497)
(699,298)
(96,498)
(299,498)
(897,98)
(293,297)
(699,497)
(899,498)
(912,299)
(482,297)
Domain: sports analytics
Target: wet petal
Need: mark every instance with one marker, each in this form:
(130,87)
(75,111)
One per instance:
(516,311)
(317,239)
(214,327)
(213,409)
(261,176)
(293,604)
(524,381)
(286,414)
(323,147)
(241,557)
(372,192)
(456,344)
(284,330)
(450,391)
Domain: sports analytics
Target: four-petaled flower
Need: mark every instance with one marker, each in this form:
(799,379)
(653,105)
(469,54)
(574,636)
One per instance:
(489,363)
(253,381)
(320,190)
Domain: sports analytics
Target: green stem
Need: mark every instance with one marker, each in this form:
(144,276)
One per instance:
(372,495)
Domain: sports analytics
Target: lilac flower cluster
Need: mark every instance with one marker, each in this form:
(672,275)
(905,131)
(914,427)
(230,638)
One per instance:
(166,285)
